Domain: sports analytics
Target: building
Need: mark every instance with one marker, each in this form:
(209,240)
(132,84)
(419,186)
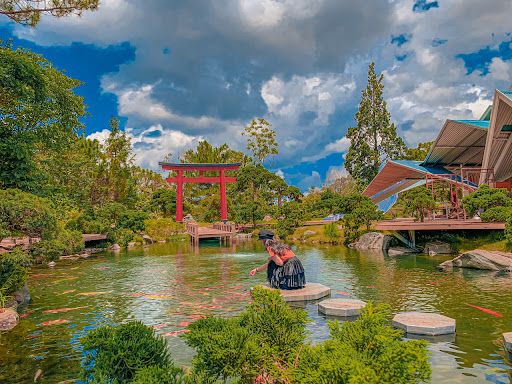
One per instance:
(465,154)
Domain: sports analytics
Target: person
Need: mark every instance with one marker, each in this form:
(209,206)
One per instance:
(284,269)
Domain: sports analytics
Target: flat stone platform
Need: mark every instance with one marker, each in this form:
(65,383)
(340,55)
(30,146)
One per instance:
(312,291)
(421,323)
(341,307)
(507,340)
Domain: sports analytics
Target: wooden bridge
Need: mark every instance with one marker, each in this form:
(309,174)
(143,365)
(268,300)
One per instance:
(219,231)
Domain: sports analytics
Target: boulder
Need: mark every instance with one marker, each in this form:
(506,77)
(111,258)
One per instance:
(308,233)
(188,218)
(52,264)
(8,319)
(115,247)
(372,240)
(147,239)
(22,295)
(438,248)
(507,341)
(397,251)
(481,259)
(267,218)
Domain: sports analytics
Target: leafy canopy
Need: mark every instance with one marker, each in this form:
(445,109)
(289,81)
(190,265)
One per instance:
(261,139)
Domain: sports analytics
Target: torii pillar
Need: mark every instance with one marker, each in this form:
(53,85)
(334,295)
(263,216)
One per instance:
(180,179)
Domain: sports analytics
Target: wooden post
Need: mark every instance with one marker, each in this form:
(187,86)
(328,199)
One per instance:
(179,196)
(223,202)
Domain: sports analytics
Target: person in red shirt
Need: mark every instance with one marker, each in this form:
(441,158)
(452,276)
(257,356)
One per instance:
(284,269)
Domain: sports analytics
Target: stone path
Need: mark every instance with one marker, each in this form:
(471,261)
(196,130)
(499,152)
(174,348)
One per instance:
(341,307)
(507,339)
(421,323)
(312,291)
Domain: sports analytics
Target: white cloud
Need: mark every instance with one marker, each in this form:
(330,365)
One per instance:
(280,173)
(101,136)
(500,70)
(310,181)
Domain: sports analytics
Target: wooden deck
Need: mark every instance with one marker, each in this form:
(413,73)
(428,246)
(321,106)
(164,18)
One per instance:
(435,225)
(219,231)
(93,237)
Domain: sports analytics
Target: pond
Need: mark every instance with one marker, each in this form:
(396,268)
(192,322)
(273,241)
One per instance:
(169,285)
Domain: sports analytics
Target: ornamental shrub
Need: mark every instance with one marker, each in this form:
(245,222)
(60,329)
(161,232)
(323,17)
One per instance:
(508,231)
(360,219)
(156,374)
(162,228)
(331,231)
(485,198)
(115,354)
(13,271)
(418,202)
(497,214)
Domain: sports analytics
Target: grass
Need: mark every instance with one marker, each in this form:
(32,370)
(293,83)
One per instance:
(317,237)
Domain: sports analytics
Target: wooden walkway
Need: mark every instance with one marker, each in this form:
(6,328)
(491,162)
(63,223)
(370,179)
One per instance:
(219,231)
(409,224)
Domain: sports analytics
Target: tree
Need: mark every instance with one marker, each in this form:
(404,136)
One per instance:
(343,185)
(331,231)
(261,139)
(38,111)
(374,139)
(29,12)
(418,202)
(361,215)
(485,198)
(419,153)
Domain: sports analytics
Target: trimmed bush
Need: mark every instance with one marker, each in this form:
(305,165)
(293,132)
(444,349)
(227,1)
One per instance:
(13,271)
(497,214)
(331,231)
(485,198)
(115,354)
(161,375)
(418,202)
(162,229)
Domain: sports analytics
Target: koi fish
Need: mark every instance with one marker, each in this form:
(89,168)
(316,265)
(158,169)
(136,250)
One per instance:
(92,293)
(68,291)
(139,294)
(25,315)
(184,324)
(490,312)
(59,310)
(158,326)
(175,333)
(371,286)
(102,268)
(433,283)
(342,293)
(196,316)
(237,287)
(53,322)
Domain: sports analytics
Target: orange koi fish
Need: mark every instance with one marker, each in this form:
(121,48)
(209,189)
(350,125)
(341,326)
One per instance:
(342,293)
(53,322)
(92,293)
(490,312)
(184,324)
(175,333)
(371,286)
(68,291)
(59,310)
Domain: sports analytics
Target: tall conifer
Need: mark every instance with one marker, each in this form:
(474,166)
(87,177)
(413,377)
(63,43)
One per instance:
(374,139)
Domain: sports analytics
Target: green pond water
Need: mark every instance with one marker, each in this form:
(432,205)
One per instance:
(169,285)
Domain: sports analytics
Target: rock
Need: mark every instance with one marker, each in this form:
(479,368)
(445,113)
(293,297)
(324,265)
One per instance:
(437,248)
(52,264)
(147,239)
(132,244)
(267,218)
(397,251)
(341,307)
(480,259)
(308,233)
(312,291)
(372,240)
(507,341)
(188,218)
(22,295)
(38,376)
(8,319)
(115,247)
(420,323)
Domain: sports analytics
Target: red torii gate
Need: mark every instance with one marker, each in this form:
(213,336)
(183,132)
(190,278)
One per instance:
(180,179)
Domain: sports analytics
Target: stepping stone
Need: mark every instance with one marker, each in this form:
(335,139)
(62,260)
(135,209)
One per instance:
(421,323)
(312,291)
(341,307)
(507,339)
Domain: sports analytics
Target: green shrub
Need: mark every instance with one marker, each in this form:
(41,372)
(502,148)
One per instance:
(121,236)
(162,228)
(133,220)
(418,202)
(115,354)
(360,219)
(156,374)
(497,214)
(68,242)
(485,198)
(508,231)
(331,231)
(13,271)
(22,213)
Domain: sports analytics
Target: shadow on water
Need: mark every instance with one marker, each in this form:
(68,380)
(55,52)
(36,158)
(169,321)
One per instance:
(167,286)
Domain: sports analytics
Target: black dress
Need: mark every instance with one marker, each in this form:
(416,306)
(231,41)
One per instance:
(290,275)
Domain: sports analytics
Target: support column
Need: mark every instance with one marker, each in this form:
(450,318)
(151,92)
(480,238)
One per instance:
(179,196)
(223,202)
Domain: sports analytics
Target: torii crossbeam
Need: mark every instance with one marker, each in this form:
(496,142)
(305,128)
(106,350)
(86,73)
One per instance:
(181,178)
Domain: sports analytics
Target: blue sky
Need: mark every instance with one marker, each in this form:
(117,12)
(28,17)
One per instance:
(177,72)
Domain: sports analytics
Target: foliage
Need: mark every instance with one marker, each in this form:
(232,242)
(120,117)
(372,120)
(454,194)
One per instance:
(66,243)
(291,216)
(484,198)
(162,228)
(156,374)
(418,202)
(261,139)
(114,354)
(343,185)
(22,213)
(508,231)
(121,236)
(38,111)
(361,216)
(242,347)
(419,153)
(367,350)
(29,12)
(13,271)
(374,139)
(163,201)
(497,214)
(331,231)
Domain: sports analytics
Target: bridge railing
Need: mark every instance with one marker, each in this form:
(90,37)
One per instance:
(227,227)
(192,228)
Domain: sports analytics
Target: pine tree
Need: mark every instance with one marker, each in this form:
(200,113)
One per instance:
(374,139)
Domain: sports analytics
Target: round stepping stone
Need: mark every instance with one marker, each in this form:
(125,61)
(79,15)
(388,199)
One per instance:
(421,323)
(312,291)
(341,307)
(507,339)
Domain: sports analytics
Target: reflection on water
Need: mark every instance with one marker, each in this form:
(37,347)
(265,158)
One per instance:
(169,285)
